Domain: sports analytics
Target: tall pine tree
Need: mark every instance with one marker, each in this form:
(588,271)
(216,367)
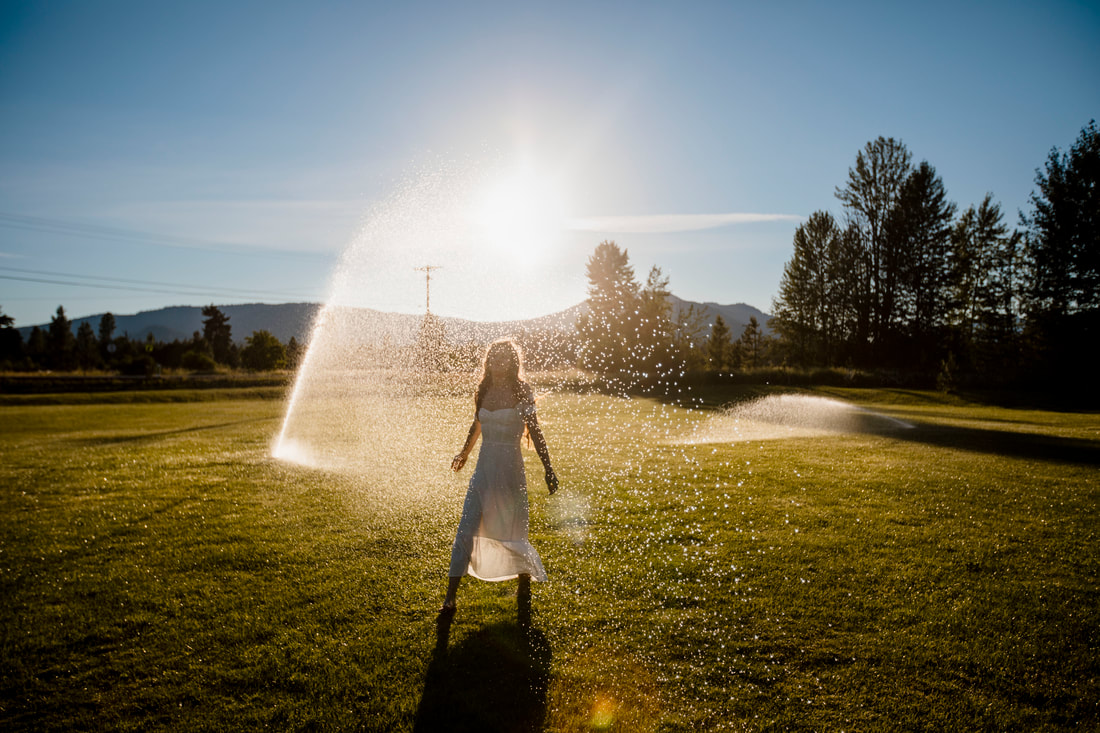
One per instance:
(217,333)
(608,331)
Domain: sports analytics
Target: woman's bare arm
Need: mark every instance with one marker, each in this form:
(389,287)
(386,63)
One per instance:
(471,440)
(539,440)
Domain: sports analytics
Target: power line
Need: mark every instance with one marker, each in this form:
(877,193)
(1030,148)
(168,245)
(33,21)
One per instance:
(161,291)
(204,288)
(115,234)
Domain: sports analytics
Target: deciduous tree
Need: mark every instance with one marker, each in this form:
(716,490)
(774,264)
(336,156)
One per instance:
(263,352)
(869,196)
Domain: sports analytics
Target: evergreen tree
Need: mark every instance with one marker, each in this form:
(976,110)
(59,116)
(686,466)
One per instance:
(655,351)
(690,345)
(37,348)
(608,331)
(917,293)
(106,327)
(430,344)
(11,343)
(750,343)
(60,342)
(106,334)
(985,280)
(1064,230)
(217,333)
(86,349)
(808,307)
(720,346)
(1063,260)
(293,353)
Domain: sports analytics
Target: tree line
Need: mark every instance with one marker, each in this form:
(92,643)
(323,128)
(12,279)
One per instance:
(631,335)
(58,348)
(903,280)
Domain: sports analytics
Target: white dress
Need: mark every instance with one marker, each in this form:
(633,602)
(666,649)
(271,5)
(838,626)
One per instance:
(491,542)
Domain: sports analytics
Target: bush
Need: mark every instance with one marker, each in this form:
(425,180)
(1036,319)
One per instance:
(141,365)
(263,352)
(197,361)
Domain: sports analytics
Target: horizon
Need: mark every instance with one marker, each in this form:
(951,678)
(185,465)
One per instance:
(93,317)
(697,138)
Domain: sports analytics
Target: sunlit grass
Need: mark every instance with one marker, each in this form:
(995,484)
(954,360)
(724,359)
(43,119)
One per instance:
(159,570)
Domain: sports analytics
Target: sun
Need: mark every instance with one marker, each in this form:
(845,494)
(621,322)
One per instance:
(521,213)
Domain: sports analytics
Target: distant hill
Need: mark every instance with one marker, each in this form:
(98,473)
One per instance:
(736,315)
(284,320)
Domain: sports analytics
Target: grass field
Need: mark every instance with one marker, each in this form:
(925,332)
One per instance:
(160,570)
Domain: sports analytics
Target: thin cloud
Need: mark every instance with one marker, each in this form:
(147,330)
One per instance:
(666,223)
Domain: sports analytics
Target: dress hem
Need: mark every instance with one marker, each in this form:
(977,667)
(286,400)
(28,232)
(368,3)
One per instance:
(502,578)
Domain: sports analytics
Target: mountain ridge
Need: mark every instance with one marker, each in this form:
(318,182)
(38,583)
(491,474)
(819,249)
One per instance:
(286,320)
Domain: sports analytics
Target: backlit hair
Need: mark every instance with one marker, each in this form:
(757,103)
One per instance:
(520,388)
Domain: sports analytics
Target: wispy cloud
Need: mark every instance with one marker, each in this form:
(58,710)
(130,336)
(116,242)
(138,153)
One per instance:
(290,225)
(665,223)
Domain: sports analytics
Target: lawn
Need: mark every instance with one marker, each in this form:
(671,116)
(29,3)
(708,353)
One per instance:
(160,570)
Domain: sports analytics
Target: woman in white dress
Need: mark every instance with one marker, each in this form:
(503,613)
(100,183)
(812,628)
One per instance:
(491,542)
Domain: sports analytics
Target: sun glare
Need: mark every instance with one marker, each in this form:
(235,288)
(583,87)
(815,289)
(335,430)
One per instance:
(521,215)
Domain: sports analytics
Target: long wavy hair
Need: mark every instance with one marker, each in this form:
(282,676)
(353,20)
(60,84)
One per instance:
(514,355)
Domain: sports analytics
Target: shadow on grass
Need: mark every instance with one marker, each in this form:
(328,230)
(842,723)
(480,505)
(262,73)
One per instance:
(136,437)
(1004,443)
(1007,443)
(495,679)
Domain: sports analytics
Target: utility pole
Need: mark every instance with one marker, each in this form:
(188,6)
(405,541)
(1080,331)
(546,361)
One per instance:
(427,270)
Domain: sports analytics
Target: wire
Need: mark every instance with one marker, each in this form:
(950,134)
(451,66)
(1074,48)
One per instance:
(106,233)
(202,288)
(162,291)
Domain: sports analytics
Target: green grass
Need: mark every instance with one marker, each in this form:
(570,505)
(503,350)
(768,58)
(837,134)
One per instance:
(160,571)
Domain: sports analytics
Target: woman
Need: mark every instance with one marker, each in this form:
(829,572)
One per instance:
(491,542)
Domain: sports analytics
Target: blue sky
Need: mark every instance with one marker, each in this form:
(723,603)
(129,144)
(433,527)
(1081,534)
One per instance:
(186,153)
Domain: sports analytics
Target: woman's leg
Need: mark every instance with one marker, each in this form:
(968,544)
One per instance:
(452,590)
(462,547)
(523,601)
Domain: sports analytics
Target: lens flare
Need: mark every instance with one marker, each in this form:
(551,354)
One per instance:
(603,713)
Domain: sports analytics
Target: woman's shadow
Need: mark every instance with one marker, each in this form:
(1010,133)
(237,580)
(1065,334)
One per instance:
(496,679)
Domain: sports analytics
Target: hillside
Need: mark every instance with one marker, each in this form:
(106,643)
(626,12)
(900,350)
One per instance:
(285,320)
